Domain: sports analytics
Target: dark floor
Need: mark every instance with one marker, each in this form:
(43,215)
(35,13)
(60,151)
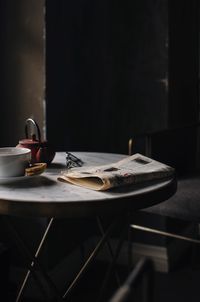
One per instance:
(181,284)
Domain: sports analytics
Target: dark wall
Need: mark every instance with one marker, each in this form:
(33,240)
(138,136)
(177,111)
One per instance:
(183,62)
(21,67)
(178,146)
(117,70)
(107,65)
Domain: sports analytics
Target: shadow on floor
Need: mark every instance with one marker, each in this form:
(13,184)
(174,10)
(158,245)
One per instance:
(181,284)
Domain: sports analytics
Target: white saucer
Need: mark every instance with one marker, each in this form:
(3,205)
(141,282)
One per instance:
(4,180)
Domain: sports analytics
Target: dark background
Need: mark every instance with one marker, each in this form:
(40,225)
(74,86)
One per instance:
(117,70)
(114,70)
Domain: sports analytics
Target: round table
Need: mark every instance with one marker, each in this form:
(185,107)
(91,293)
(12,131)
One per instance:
(43,195)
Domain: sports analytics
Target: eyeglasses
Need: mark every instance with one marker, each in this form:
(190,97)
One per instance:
(72,161)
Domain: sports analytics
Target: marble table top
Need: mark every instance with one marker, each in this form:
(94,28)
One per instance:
(43,195)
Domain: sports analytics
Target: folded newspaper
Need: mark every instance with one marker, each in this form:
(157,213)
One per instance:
(130,170)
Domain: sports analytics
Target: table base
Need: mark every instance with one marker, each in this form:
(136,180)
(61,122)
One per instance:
(34,263)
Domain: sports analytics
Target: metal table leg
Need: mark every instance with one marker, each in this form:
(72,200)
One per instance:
(103,241)
(33,261)
(93,254)
(129,250)
(101,228)
(113,262)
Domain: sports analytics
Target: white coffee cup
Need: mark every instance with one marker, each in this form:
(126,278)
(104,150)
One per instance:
(14,161)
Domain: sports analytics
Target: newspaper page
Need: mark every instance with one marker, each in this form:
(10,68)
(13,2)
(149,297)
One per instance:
(130,170)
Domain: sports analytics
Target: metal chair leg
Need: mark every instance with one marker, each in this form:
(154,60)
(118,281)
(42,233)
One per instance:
(144,268)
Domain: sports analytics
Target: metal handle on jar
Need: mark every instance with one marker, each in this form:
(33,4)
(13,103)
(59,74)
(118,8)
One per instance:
(28,121)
